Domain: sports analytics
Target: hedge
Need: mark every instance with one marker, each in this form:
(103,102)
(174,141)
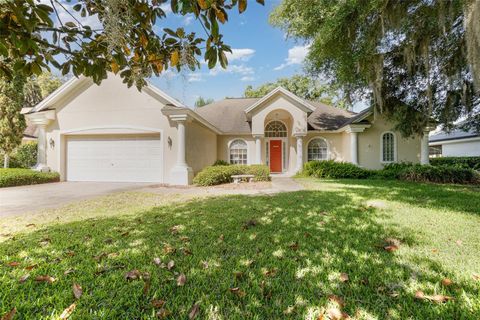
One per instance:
(219,174)
(24,156)
(18,177)
(466,162)
(335,170)
(441,174)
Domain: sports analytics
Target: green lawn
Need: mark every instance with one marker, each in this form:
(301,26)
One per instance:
(262,257)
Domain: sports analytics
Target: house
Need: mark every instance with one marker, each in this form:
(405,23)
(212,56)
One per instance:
(457,143)
(114,133)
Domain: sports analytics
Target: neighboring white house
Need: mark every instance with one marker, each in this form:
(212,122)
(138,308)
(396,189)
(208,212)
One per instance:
(457,143)
(114,133)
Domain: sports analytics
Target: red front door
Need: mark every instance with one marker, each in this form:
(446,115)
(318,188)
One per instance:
(276,155)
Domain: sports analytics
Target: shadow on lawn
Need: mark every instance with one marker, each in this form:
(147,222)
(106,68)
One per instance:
(285,252)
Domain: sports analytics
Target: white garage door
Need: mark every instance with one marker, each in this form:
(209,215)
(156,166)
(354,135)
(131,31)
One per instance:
(132,158)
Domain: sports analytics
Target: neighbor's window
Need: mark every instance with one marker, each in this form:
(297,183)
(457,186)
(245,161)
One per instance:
(238,152)
(435,151)
(275,129)
(388,147)
(317,149)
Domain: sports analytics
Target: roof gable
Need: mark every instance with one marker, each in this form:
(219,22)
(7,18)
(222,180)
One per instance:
(280,91)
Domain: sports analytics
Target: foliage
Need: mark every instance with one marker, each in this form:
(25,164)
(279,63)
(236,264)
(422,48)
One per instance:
(39,87)
(392,170)
(220,163)
(294,242)
(24,156)
(305,87)
(408,57)
(466,162)
(441,174)
(112,35)
(12,123)
(201,101)
(19,177)
(219,174)
(334,170)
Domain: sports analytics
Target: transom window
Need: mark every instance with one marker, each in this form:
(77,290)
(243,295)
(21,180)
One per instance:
(275,129)
(238,152)
(388,147)
(317,149)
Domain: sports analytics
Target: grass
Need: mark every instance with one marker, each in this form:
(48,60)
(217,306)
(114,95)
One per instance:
(10,177)
(285,253)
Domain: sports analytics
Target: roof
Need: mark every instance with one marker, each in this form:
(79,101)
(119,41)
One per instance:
(456,134)
(229,115)
(30,131)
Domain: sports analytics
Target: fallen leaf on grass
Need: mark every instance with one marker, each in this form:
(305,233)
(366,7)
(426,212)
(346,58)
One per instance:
(100,256)
(13,264)
(125,234)
(238,292)
(194,311)
(170,265)
(390,248)
(70,253)
(221,238)
(68,312)
(294,246)
(459,242)
(9,315)
(157,261)
(24,278)
(289,310)
(205,264)
(476,276)
(146,287)
(438,298)
(157,303)
(238,275)
(270,273)
(337,314)
(249,223)
(336,299)
(163,313)
(184,238)
(181,280)
(45,279)
(77,290)
(187,251)
(67,272)
(133,275)
(31,225)
(31,267)
(167,249)
(344,277)
(447,282)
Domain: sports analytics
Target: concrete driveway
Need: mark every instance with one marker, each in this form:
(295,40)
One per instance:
(17,200)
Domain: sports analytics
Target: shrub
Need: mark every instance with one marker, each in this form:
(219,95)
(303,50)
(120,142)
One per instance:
(335,170)
(441,174)
(221,163)
(219,174)
(466,162)
(24,156)
(19,177)
(392,170)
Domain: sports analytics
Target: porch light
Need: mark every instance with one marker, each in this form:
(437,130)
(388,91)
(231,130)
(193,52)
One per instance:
(52,143)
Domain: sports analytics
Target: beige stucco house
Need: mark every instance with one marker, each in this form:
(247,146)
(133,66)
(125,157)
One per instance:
(114,133)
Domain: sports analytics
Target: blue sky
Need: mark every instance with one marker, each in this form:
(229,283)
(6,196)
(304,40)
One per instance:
(261,53)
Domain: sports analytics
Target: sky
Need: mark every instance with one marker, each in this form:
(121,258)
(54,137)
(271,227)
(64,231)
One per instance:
(261,53)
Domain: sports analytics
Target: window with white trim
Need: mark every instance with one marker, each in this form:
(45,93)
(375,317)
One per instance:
(275,129)
(317,149)
(238,152)
(388,147)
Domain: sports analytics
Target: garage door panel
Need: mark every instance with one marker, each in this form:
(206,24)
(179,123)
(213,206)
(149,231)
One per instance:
(115,158)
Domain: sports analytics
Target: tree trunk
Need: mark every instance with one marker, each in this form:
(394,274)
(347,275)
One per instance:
(6,160)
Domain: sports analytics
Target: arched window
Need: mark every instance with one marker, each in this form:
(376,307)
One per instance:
(317,149)
(388,147)
(238,152)
(275,129)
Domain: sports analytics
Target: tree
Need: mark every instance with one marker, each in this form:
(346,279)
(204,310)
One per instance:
(409,57)
(36,35)
(12,123)
(39,87)
(201,101)
(303,86)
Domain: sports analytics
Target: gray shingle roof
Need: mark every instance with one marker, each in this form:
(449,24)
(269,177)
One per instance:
(453,135)
(229,116)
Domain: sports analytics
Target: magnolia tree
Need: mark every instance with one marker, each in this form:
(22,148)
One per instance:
(92,37)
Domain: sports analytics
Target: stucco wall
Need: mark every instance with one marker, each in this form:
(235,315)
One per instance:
(223,143)
(408,149)
(110,105)
(335,141)
(461,148)
(201,146)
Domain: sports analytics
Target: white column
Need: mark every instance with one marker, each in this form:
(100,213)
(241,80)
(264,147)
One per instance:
(354,147)
(181,173)
(258,149)
(424,159)
(42,148)
(299,153)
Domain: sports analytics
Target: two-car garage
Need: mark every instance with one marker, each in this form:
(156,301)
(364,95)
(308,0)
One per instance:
(126,158)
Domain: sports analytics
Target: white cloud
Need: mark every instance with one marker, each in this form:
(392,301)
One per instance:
(233,68)
(166,8)
(247,78)
(240,54)
(195,77)
(188,20)
(296,55)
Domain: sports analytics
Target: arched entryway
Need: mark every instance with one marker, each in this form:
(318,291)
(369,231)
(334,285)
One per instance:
(276,139)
